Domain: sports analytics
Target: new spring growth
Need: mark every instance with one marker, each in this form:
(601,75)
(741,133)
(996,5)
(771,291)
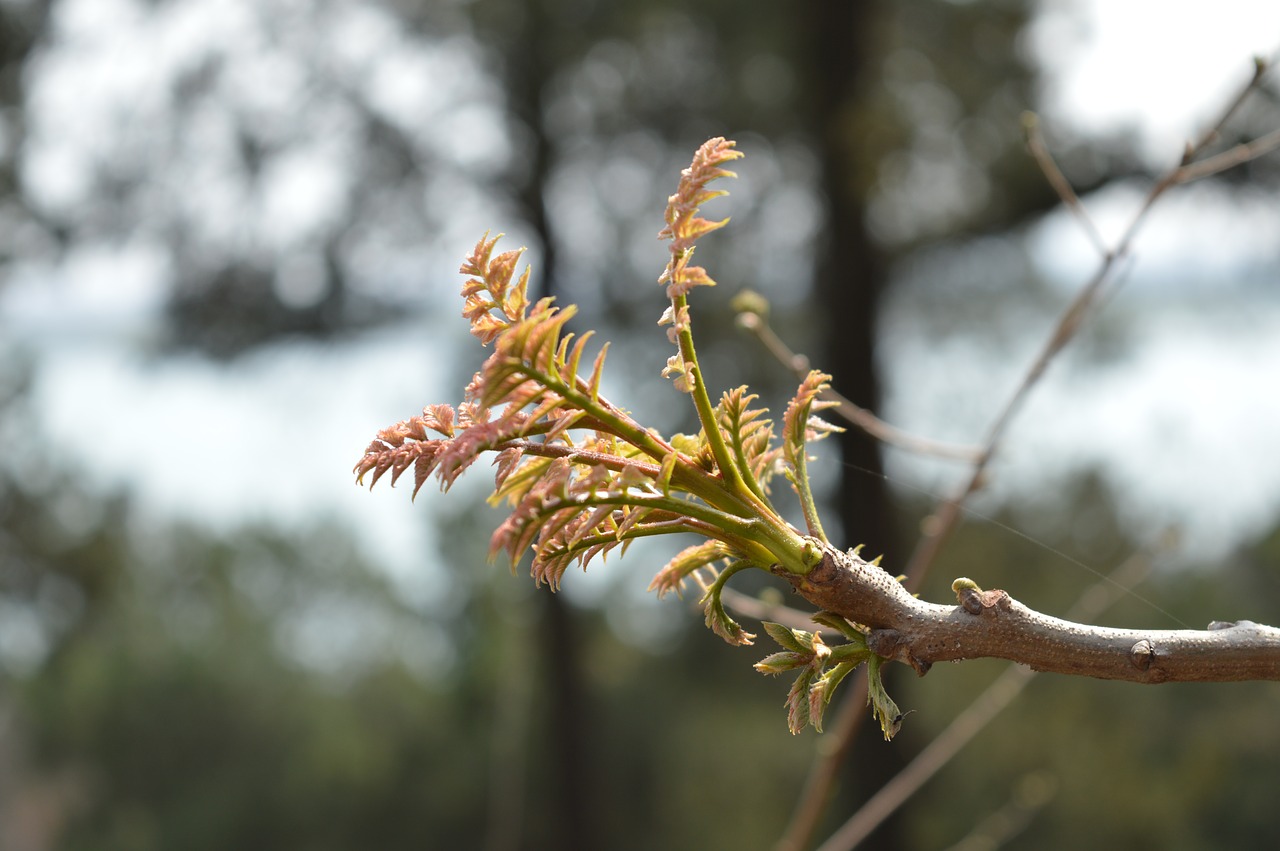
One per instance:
(581,477)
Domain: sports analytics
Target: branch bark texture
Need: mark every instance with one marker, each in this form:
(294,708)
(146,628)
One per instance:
(991,624)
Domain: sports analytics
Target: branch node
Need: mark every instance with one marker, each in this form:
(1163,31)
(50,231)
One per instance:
(1142,654)
(892,644)
(975,601)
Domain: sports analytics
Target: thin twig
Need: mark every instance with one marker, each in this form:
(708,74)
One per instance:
(858,416)
(947,516)
(833,749)
(1031,794)
(757,609)
(1230,158)
(1040,152)
(1260,68)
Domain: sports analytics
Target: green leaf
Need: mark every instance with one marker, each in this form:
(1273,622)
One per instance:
(796,640)
(821,691)
(673,574)
(778,663)
(720,622)
(886,711)
(798,705)
(840,625)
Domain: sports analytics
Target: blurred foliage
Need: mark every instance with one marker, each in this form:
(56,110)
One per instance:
(221,705)
(273,692)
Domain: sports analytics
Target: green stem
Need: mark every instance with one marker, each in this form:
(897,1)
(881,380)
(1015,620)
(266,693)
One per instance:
(741,500)
(748,476)
(717,585)
(800,478)
(686,477)
(702,401)
(755,538)
(746,550)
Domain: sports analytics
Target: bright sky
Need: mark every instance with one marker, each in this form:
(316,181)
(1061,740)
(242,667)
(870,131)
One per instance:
(1163,66)
(1157,65)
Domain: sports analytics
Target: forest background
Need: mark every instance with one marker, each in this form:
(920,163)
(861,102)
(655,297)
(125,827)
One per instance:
(231,234)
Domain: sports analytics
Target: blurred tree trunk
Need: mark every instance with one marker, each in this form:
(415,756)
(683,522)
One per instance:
(851,271)
(851,279)
(569,791)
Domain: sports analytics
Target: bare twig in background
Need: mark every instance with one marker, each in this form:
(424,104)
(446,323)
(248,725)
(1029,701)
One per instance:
(822,774)
(1040,152)
(833,749)
(762,610)
(1230,158)
(753,319)
(1033,792)
(948,514)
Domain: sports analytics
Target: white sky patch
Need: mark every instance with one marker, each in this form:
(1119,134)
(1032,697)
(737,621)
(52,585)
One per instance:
(112,67)
(1188,428)
(1164,68)
(1197,231)
(303,191)
(272,438)
(97,290)
(1184,426)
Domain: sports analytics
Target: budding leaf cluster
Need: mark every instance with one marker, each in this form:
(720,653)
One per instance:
(581,477)
(821,668)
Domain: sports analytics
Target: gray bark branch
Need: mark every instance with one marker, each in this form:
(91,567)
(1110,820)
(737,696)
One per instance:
(991,624)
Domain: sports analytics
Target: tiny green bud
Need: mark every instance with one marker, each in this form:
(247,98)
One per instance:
(750,301)
(811,553)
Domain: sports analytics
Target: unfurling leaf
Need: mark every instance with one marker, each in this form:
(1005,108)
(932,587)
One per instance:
(777,663)
(799,425)
(672,576)
(718,619)
(799,713)
(815,684)
(490,303)
(795,640)
(798,428)
(750,434)
(675,369)
(886,711)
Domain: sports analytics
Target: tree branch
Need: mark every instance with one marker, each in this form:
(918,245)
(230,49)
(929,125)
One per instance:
(991,624)
(964,727)
(947,516)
